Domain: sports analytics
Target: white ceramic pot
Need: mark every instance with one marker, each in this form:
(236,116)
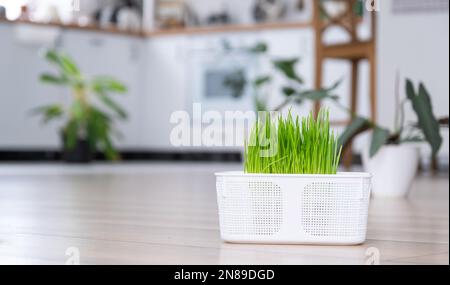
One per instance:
(393,169)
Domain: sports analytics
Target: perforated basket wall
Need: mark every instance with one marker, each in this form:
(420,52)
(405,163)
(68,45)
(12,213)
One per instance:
(310,209)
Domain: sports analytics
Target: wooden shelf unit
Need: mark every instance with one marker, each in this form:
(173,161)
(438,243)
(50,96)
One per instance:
(352,51)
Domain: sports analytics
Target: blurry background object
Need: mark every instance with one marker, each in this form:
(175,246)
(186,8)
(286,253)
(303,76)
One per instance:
(170,13)
(36,36)
(104,16)
(335,8)
(301,5)
(128,17)
(53,11)
(125,15)
(24,13)
(53,14)
(269,10)
(2,12)
(221,18)
(235,81)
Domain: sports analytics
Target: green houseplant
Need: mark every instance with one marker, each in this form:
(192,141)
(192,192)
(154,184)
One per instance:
(427,129)
(393,156)
(88,128)
(290,190)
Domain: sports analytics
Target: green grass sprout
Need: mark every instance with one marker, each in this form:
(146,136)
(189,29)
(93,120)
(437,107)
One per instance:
(306,146)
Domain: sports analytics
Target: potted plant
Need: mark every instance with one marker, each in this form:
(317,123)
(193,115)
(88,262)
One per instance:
(393,156)
(290,191)
(292,86)
(88,128)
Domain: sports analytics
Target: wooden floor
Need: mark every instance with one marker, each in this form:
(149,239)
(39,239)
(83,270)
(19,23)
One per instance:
(167,214)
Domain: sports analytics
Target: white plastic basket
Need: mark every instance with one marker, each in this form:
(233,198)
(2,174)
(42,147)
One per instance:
(293,209)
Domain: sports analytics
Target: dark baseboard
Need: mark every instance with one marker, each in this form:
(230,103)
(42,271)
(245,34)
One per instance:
(150,155)
(141,155)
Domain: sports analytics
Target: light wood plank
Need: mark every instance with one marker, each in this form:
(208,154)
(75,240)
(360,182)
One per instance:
(167,214)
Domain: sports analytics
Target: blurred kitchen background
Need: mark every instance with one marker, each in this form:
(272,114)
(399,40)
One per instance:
(173,53)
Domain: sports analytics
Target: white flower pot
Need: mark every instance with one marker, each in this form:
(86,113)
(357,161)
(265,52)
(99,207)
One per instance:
(293,209)
(393,169)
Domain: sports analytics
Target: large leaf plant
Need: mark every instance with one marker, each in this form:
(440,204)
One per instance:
(85,121)
(427,128)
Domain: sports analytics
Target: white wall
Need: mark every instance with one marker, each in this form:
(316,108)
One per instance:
(417,46)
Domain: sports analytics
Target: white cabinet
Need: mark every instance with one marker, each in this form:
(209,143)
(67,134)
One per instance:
(120,57)
(164,82)
(20,92)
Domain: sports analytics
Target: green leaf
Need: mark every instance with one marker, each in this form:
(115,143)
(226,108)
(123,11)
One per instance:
(108,148)
(53,57)
(315,95)
(77,111)
(64,62)
(334,86)
(379,138)
(321,94)
(259,48)
(428,123)
(258,82)
(410,91)
(99,115)
(53,79)
(50,112)
(71,134)
(356,126)
(69,65)
(287,67)
(415,139)
(236,82)
(288,91)
(113,105)
(98,126)
(100,132)
(105,84)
